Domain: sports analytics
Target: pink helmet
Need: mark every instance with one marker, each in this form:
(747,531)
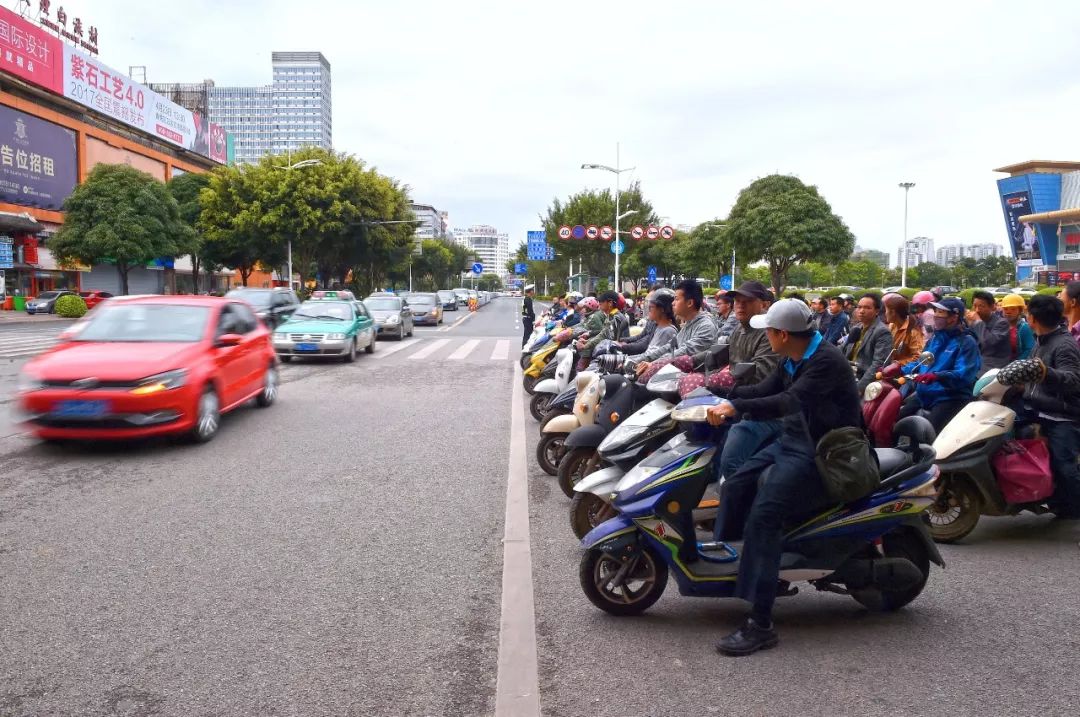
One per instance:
(923,297)
(591,304)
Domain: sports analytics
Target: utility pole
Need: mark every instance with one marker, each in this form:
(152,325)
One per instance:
(906,186)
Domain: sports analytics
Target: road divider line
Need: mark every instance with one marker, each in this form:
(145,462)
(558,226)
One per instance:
(517,686)
(430,349)
(502,351)
(458,323)
(465,349)
(381,352)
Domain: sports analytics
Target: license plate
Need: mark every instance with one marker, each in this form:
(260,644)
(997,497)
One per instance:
(307,347)
(81,409)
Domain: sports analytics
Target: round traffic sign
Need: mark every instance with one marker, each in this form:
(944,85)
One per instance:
(565,232)
(592,232)
(578,232)
(617,247)
(606,233)
(637,232)
(477,268)
(666,232)
(652,232)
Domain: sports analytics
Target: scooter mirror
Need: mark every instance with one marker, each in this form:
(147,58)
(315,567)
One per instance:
(926,357)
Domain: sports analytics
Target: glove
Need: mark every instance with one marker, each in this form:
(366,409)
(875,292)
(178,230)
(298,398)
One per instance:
(925,378)
(1023,371)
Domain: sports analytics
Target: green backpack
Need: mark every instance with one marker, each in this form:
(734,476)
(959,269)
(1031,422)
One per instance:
(847,464)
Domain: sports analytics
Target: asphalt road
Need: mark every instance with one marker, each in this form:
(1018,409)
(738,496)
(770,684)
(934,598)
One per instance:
(340,553)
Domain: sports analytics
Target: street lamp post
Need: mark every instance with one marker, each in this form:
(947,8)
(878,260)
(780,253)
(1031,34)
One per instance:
(906,186)
(289,166)
(617,171)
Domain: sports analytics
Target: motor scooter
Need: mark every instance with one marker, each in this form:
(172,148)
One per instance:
(541,358)
(548,388)
(553,433)
(877,549)
(883,398)
(966,447)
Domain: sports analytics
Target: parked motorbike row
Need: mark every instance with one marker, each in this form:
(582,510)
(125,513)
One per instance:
(638,462)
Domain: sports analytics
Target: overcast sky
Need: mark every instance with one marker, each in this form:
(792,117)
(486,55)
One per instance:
(487,110)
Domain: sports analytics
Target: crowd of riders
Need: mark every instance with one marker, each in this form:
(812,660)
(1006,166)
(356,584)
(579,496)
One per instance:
(812,362)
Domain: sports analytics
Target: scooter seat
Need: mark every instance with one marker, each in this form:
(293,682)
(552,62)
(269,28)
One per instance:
(892,461)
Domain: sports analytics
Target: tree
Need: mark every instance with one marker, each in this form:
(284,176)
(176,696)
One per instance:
(231,222)
(781,221)
(124,217)
(928,275)
(709,249)
(186,188)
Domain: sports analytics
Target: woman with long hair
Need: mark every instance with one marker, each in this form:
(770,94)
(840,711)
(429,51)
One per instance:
(908,340)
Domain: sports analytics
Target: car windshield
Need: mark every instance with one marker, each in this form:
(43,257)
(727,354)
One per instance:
(324,310)
(48,294)
(146,323)
(422,300)
(258,299)
(383,304)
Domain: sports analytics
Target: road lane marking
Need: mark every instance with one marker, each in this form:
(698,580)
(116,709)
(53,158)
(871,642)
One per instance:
(517,687)
(502,351)
(430,349)
(381,353)
(465,349)
(457,323)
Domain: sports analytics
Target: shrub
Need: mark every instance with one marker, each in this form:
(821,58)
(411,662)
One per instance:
(70,306)
(1049,290)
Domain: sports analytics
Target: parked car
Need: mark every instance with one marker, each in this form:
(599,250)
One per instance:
(449,300)
(148,365)
(945,290)
(273,306)
(392,315)
(45,302)
(93,298)
(330,323)
(462,296)
(426,309)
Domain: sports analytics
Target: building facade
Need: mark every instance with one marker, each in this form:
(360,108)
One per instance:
(294,111)
(492,247)
(881,258)
(951,253)
(430,226)
(919,250)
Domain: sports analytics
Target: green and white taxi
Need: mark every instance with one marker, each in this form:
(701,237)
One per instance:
(330,323)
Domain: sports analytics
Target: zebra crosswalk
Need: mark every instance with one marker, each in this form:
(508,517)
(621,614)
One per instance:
(27,340)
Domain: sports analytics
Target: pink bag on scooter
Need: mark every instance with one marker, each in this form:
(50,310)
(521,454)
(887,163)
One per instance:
(1022,468)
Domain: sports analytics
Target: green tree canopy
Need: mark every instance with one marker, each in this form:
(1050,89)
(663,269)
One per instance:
(124,217)
(782,221)
(186,189)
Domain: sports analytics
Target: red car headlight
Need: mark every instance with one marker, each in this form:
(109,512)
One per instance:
(161,382)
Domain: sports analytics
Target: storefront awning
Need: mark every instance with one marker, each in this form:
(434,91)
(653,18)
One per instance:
(1044,166)
(1055,217)
(10,222)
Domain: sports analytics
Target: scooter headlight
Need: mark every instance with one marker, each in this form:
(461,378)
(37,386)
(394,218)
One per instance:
(873,390)
(621,436)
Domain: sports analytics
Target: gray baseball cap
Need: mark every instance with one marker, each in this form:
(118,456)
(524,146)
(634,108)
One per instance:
(785,315)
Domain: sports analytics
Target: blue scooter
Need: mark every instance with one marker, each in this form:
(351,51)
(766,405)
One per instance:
(878,549)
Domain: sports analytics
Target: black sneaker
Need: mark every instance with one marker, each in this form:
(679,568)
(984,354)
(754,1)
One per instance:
(748,639)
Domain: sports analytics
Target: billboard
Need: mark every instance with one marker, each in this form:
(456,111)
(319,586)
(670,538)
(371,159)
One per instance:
(1023,236)
(95,85)
(30,53)
(37,161)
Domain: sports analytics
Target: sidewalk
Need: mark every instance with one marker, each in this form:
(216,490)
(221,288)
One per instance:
(8,318)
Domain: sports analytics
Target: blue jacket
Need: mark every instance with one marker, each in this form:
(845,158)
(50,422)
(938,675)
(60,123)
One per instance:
(1025,339)
(838,325)
(957,363)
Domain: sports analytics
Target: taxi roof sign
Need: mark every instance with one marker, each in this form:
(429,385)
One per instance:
(338,295)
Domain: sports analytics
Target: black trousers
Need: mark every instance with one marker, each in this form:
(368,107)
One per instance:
(939,415)
(527,325)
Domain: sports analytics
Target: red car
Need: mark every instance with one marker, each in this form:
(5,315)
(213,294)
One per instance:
(150,365)
(93,298)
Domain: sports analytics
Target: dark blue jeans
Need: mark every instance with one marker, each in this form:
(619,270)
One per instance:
(1063,438)
(743,440)
(793,487)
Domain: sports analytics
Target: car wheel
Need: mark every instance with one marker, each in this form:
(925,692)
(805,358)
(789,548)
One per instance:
(207,416)
(351,356)
(286,359)
(268,394)
(370,348)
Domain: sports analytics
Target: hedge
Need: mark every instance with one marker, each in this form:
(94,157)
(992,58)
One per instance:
(70,306)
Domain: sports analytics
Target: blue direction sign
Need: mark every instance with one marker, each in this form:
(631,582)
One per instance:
(521,268)
(725,282)
(536,247)
(617,246)
(652,274)
(551,253)
(477,268)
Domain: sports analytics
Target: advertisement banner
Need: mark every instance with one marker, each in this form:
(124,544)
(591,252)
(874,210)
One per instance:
(7,253)
(1023,237)
(30,53)
(94,84)
(37,161)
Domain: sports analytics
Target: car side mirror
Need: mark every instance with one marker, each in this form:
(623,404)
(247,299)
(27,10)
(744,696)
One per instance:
(229,340)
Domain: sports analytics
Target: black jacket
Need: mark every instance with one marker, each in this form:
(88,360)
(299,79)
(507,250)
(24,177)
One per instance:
(822,389)
(638,345)
(527,310)
(875,345)
(1059,392)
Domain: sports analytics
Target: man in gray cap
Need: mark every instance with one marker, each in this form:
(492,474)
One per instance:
(812,392)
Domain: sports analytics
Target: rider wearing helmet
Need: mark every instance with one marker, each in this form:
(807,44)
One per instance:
(1021,337)
(923,312)
(660,330)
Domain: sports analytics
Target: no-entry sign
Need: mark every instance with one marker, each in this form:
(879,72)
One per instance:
(606,233)
(637,232)
(592,232)
(666,232)
(652,232)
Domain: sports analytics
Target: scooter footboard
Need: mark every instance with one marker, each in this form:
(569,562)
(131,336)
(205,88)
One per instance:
(613,536)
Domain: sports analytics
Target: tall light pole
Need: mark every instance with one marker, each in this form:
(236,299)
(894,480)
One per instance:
(617,171)
(289,166)
(906,186)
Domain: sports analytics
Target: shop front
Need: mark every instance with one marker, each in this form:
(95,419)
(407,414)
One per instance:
(1041,204)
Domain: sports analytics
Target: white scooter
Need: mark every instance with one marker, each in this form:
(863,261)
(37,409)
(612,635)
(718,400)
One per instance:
(968,486)
(548,388)
(550,449)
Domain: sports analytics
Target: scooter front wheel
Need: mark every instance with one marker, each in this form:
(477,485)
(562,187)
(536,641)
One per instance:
(956,511)
(587,511)
(623,588)
(538,405)
(574,466)
(526,359)
(529,383)
(549,451)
